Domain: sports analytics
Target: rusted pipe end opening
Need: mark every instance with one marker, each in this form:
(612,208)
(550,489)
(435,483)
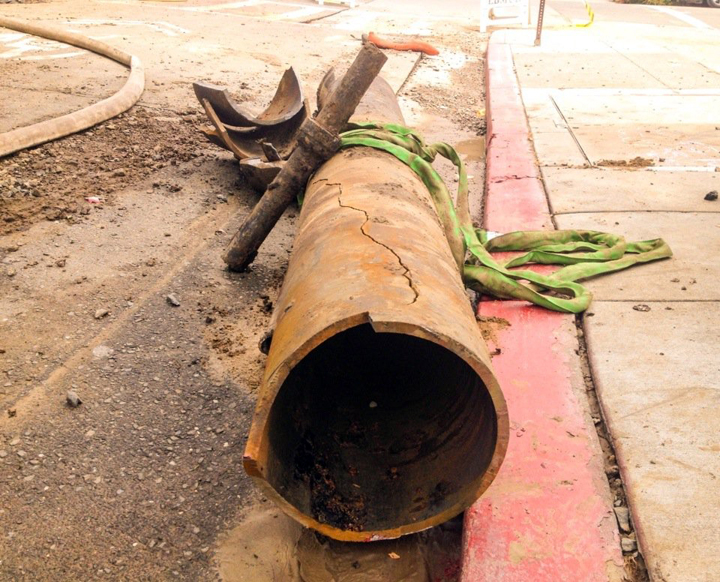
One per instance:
(380,432)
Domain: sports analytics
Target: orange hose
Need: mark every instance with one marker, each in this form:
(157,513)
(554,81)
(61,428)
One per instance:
(421,47)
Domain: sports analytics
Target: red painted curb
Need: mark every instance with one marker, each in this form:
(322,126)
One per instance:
(548,514)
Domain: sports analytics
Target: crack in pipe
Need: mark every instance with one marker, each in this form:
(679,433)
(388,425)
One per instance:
(406,272)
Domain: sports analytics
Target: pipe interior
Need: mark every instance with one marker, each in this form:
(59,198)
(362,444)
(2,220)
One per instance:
(372,431)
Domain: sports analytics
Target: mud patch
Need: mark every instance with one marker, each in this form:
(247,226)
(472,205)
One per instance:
(325,560)
(268,545)
(261,547)
(430,556)
(234,328)
(637,162)
(490,326)
(472,149)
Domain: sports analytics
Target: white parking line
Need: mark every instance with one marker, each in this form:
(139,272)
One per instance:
(691,20)
(628,92)
(161,26)
(19,44)
(711,168)
(216,7)
(235,5)
(539,92)
(299,13)
(56,56)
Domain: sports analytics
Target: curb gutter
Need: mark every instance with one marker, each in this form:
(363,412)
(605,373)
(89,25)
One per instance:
(548,516)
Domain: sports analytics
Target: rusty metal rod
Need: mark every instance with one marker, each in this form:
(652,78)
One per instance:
(379,413)
(317,142)
(541,17)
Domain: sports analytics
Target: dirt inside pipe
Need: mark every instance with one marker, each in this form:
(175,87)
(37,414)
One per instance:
(371,430)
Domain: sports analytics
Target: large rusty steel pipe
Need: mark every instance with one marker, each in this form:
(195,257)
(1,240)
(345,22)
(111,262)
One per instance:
(379,414)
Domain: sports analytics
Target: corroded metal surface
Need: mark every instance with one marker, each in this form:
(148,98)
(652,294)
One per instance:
(285,104)
(252,142)
(248,136)
(258,174)
(379,413)
(379,103)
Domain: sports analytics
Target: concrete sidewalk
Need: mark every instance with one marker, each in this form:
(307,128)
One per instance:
(627,134)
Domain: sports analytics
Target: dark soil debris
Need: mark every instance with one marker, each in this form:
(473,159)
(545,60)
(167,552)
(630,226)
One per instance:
(54,181)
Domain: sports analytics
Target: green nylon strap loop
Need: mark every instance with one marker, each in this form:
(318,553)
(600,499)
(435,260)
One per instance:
(583,253)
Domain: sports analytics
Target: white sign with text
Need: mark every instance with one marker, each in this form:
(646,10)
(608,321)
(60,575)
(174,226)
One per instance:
(503,12)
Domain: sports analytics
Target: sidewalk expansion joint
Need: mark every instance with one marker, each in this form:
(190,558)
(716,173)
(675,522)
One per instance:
(572,133)
(637,211)
(323,16)
(573,166)
(655,301)
(409,75)
(622,54)
(635,569)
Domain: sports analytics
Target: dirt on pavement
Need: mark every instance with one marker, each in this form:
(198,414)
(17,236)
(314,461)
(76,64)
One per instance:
(54,182)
